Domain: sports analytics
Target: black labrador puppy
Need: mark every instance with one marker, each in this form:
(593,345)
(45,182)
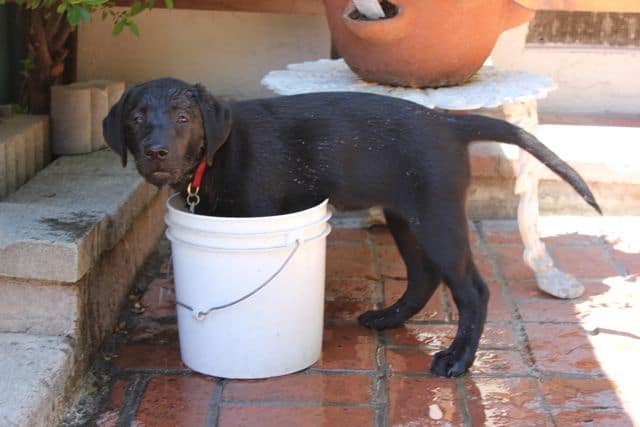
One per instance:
(278,155)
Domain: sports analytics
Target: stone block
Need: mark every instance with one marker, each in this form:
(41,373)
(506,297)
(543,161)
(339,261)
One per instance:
(57,225)
(77,111)
(35,374)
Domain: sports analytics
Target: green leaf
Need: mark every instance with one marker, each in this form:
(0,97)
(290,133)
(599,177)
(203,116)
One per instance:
(168,4)
(118,27)
(73,15)
(136,8)
(62,7)
(133,27)
(84,14)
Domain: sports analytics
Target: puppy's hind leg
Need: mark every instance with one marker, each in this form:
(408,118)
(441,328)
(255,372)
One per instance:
(422,280)
(446,244)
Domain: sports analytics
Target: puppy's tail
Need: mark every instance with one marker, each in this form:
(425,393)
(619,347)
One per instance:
(480,128)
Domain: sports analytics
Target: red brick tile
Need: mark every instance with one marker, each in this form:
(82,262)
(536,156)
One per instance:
(592,417)
(484,265)
(584,262)
(165,266)
(434,310)
(155,333)
(109,417)
(382,236)
(501,232)
(570,239)
(500,362)
(423,402)
(352,389)
(572,393)
(511,263)
(347,235)
(350,262)
(562,349)
(347,347)
(440,336)
(484,165)
(474,237)
(630,260)
(409,360)
(349,289)
(297,416)
(345,310)
(144,356)
(391,263)
(175,401)
(160,299)
(504,402)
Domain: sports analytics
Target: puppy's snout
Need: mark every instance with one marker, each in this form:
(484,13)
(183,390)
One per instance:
(156,153)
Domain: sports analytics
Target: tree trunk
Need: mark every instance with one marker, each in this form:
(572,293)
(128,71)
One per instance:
(48,47)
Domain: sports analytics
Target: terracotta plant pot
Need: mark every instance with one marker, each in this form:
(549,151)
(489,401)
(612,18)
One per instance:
(428,43)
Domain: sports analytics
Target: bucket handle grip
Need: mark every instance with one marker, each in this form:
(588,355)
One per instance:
(201,314)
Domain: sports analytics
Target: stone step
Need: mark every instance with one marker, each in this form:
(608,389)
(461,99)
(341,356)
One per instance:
(24,149)
(72,240)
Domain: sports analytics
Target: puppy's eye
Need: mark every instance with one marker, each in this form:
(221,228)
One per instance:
(181,118)
(138,118)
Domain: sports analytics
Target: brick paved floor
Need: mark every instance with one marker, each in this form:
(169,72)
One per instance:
(537,365)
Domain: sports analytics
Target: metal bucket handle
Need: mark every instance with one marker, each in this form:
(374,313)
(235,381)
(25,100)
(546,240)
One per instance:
(201,314)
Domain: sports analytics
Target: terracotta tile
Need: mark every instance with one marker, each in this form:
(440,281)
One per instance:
(381,235)
(409,360)
(117,395)
(345,310)
(474,237)
(347,347)
(511,263)
(438,336)
(434,310)
(175,401)
(501,232)
(575,393)
(630,260)
(584,262)
(593,417)
(144,356)
(504,402)
(562,349)
(484,265)
(423,402)
(154,333)
(349,289)
(500,362)
(352,389)
(165,266)
(297,416)
(484,165)
(391,263)
(350,262)
(347,235)
(570,239)
(160,299)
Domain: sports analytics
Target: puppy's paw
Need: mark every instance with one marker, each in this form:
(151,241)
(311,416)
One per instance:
(381,319)
(448,363)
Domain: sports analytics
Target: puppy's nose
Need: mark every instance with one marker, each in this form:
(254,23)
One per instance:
(156,153)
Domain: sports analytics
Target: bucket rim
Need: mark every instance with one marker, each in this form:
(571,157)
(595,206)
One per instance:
(211,218)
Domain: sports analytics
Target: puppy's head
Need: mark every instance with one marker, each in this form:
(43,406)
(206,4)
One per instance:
(168,126)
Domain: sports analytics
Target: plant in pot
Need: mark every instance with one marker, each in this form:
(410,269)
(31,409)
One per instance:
(419,43)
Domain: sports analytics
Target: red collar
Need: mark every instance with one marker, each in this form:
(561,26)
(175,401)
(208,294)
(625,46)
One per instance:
(197,177)
(194,186)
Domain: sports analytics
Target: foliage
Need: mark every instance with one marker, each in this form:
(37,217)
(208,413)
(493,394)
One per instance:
(77,11)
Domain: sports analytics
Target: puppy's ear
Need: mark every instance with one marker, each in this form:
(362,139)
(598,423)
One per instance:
(113,128)
(216,119)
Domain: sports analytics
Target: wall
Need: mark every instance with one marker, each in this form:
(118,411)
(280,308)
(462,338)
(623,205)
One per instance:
(590,80)
(227,51)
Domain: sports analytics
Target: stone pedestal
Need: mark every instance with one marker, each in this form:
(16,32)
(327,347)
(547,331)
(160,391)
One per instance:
(77,111)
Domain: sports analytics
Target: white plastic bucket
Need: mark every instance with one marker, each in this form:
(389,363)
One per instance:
(264,279)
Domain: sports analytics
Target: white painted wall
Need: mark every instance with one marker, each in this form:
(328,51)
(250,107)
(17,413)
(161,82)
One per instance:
(229,52)
(590,80)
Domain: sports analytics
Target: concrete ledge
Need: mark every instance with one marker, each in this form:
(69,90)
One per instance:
(57,225)
(34,374)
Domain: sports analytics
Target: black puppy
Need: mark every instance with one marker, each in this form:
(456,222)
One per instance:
(277,155)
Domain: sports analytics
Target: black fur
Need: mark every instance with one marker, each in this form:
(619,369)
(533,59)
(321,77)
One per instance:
(289,153)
